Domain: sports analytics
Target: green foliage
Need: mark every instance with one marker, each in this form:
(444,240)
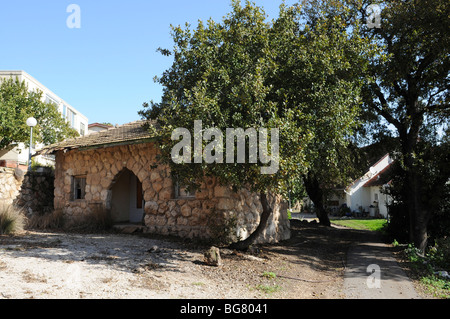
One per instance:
(269,275)
(436,286)
(12,220)
(436,202)
(245,72)
(17,104)
(408,97)
(413,254)
(439,254)
(428,266)
(223,230)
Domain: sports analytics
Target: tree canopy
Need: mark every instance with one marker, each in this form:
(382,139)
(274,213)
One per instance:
(245,72)
(408,93)
(17,104)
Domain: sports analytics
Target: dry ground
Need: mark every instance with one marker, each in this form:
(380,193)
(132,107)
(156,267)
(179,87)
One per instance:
(71,266)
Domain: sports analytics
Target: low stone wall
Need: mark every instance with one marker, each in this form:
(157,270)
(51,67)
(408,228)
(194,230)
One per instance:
(164,214)
(31,191)
(36,194)
(10,183)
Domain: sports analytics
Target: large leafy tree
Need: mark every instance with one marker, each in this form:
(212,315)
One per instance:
(322,64)
(17,104)
(245,72)
(409,94)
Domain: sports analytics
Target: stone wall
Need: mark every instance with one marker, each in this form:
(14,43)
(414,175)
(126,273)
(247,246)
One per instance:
(33,191)
(164,214)
(10,183)
(36,194)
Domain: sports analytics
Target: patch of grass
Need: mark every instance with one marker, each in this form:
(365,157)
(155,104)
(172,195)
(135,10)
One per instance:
(268,289)
(362,224)
(269,275)
(424,267)
(12,220)
(438,287)
(198,283)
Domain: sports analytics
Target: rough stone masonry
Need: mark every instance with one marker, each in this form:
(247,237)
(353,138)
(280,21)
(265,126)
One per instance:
(164,213)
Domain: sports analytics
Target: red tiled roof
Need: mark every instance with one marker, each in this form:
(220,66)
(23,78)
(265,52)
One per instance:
(106,126)
(383,177)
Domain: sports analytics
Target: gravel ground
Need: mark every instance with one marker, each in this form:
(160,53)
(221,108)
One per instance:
(47,265)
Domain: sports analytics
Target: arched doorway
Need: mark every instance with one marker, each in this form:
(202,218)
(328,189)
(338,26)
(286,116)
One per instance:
(127,200)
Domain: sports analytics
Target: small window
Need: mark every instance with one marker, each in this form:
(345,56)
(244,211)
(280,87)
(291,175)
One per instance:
(182,192)
(376,197)
(82,129)
(71,117)
(78,187)
(49,99)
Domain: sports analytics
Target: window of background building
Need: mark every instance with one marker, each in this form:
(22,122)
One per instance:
(71,117)
(49,99)
(82,129)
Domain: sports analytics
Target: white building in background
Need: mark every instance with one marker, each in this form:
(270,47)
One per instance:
(366,196)
(99,127)
(19,155)
(365,193)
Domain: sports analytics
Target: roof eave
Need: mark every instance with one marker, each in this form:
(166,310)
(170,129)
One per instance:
(52,151)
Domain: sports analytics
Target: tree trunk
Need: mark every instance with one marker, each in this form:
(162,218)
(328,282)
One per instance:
(315,193)
(267,211)
(418,215)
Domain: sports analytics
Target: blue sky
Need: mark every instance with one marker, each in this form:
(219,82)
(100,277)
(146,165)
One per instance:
(104,69)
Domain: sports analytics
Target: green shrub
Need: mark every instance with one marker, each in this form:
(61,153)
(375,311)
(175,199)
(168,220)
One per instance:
(11,220)
(222,229)
(439,254)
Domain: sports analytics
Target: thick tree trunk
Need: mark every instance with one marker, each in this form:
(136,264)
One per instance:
(419,216)
(315,193)
(267,211)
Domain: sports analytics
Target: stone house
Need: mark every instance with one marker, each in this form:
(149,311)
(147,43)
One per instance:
(117,170)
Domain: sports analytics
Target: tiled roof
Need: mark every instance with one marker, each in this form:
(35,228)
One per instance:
(127,133)
(382,178)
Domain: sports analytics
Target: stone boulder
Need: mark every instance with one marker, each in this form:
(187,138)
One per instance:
(212,257)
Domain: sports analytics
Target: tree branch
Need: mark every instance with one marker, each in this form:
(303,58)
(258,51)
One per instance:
(383,111)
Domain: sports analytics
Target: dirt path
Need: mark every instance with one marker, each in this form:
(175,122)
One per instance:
(41,265)
(373,273)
